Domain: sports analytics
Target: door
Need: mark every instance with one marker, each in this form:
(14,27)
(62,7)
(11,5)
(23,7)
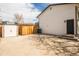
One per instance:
(10,30)
(0,31)
(70,26)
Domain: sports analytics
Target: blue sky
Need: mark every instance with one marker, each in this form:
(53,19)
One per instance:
(40,6)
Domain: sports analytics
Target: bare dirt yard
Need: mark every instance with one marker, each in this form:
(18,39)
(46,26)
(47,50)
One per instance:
(35,45)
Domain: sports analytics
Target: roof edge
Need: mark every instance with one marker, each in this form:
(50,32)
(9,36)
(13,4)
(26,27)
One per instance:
(54,5)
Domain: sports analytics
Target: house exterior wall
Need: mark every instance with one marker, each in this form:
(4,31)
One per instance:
(53,19)
(9,30)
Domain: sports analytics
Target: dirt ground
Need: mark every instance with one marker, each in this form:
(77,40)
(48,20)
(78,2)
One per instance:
(35,45)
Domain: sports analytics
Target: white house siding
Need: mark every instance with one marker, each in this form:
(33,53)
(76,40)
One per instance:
(10,30)
(77,18)
(52,21)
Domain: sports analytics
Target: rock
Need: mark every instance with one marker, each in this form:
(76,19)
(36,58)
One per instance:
(77,54)
(42,47)
(72,49)
(56,51)
(46,41)
(66,44)
(57,45)
(61,54)
(60,40)
(77,43)
(51,43)
(60,49)
(52,53)
(67,54)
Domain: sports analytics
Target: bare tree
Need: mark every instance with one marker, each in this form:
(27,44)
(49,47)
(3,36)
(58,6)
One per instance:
(19,18)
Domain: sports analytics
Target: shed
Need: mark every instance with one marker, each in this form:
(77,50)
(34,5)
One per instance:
(8,30)
(60,19)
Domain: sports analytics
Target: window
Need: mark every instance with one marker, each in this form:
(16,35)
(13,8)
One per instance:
(50,8)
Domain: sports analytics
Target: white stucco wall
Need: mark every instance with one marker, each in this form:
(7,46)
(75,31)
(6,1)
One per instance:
(52,21)
(10,30)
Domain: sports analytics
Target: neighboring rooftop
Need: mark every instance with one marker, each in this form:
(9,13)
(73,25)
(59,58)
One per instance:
(8,23)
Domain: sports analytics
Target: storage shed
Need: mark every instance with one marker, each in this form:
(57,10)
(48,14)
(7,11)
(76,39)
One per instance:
(8,30)
(60,19)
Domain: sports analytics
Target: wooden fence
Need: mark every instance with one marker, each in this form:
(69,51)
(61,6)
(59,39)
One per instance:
(0,30)
(27,29)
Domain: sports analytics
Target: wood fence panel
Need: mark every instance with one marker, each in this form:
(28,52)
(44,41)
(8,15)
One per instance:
(27,29)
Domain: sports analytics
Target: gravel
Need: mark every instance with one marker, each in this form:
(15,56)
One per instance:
(39,45)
